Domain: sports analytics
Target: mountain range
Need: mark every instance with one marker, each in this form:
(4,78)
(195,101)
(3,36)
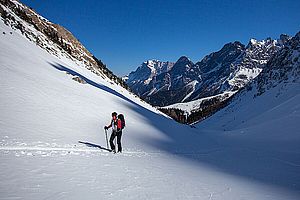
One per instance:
(209,82)
(227,70)
(283,68)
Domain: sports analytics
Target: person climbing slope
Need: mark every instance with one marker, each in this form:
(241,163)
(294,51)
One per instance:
(117,124)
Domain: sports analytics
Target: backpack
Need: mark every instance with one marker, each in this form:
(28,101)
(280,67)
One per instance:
(121,117)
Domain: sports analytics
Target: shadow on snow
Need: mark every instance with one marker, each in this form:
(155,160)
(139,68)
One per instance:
(218,152)
(94,145)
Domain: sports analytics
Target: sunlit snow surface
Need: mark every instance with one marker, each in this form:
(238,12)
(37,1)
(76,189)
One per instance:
(44,113)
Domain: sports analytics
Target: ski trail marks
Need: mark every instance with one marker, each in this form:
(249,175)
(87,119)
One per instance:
(21,150)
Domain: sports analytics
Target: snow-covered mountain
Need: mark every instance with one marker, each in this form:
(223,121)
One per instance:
(255,59)
(222,72)
(139,80)
(269,106)
(148,82)
(235,65)
(283,67)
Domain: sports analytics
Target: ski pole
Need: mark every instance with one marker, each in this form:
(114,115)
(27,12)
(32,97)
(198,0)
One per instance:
(106,139)
(116,142)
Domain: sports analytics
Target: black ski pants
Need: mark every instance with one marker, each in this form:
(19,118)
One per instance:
(111,140)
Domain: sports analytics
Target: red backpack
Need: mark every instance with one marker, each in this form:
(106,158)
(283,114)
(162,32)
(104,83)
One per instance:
(121,117)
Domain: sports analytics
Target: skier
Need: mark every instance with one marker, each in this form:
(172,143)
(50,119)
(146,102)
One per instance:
(117,124)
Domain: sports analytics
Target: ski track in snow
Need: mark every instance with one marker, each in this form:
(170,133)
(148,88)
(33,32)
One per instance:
(81,150)
(75,149)
(63,150)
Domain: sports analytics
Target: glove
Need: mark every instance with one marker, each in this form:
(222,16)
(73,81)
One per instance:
(105,127)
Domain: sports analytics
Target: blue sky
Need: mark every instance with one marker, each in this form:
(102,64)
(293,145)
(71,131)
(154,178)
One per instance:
(125,33)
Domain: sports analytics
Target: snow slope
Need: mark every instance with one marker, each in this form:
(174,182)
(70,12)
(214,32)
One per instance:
(266,126)
(195,105)
(44,113)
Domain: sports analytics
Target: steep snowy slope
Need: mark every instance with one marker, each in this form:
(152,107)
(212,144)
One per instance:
(39,90)
(44,113)
(266,125)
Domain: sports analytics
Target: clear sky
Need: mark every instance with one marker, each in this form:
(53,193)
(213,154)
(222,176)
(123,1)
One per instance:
(124,33)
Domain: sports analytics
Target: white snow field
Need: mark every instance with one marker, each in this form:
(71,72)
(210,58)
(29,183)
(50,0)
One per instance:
(44,114)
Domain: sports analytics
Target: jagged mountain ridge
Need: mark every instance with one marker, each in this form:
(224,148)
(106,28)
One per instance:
(224,71)
(174,85)
(273,94)
(141,78)
(52,37)
(281,72)
(284,67)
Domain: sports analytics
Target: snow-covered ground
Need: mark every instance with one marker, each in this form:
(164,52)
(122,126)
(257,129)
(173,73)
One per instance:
(265,128)
(195,105)
(44,114)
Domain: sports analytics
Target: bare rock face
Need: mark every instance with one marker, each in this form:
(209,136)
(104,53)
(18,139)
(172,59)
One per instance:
(79,80)
(282,67)
(140,80)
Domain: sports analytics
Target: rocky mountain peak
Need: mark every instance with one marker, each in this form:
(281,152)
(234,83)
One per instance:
(297,36)
(182,65)
(183,59)
(282,67)
(233,46)
(284,38)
